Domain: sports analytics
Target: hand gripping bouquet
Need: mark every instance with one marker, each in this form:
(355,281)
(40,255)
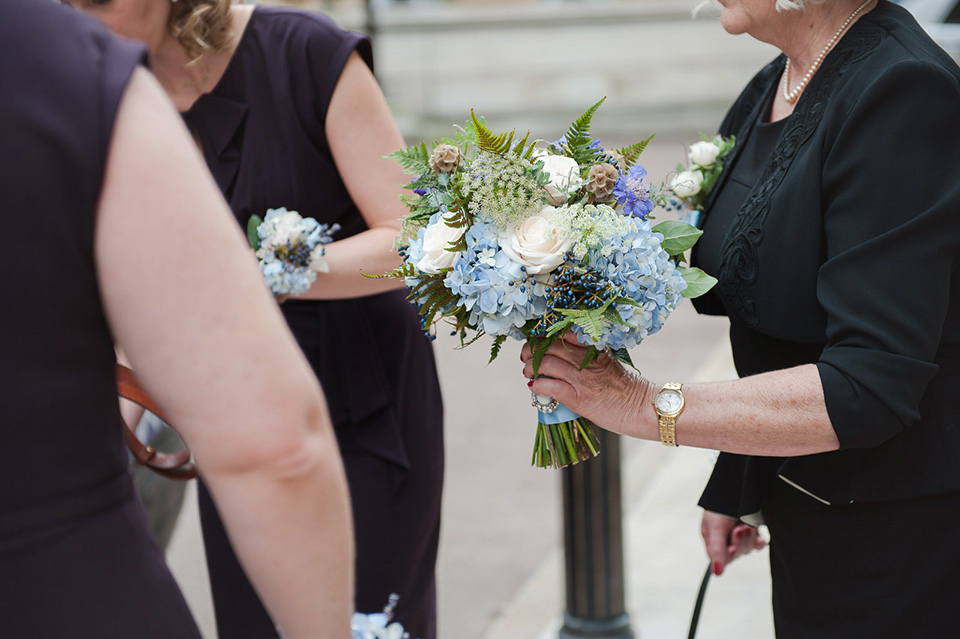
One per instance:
(513,238)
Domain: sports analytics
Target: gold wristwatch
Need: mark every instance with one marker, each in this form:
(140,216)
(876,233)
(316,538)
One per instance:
(669,404)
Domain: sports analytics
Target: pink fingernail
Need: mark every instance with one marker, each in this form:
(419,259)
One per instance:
(717,568)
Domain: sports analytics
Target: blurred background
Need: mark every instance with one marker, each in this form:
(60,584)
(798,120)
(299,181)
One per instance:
(537,64)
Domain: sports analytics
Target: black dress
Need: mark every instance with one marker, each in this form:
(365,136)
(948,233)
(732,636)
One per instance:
(835,236)
(263,137)
(76,558)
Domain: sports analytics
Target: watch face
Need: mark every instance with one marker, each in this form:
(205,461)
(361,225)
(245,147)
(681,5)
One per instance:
(668,401)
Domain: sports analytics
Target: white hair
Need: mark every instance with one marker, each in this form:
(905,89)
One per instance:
(782,5)
(796,5)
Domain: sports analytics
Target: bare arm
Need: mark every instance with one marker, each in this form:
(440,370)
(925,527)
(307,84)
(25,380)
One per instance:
(780,413)
(187,304)
(360,131)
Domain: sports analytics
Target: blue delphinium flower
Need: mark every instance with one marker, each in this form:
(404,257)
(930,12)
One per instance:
(633,193)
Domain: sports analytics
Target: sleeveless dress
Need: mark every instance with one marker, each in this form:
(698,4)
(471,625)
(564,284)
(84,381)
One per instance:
(863,539)
(262,134)
(76,557)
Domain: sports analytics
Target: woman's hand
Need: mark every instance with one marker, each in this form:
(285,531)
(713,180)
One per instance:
(727,538)
(606,392)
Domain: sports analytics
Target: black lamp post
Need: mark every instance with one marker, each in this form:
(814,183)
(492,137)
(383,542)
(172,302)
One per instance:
(593,546)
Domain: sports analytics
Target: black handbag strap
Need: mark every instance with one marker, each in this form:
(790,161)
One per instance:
(696,609)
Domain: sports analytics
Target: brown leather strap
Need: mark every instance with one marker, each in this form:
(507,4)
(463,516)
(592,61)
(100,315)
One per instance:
(173,465)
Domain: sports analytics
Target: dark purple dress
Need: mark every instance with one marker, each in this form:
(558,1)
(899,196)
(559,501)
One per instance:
(76,558)
(263,136)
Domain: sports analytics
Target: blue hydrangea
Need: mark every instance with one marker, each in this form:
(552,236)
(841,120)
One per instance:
(635,263)
(496,291)
(499,295)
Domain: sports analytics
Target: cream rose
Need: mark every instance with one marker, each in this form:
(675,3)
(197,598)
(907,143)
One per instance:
(286,229)
(536,243)
(703,154)
(437,239)
(687,183)
(564,175)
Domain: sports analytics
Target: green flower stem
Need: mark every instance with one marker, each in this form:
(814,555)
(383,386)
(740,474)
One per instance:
(564,444)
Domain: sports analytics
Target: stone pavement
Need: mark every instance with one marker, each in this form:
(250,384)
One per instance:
(500,568)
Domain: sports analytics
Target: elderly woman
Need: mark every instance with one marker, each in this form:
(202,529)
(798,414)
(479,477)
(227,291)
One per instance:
(287,112)
(117,255)
(834,233)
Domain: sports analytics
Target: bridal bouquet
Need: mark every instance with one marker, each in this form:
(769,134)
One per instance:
(290,249)
(518,238)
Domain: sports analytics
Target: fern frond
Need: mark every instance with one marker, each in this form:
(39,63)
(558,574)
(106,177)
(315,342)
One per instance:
(590,357)
(414,160)
(487,140)
(632,152)
(495,347)
(577,145)
(438,301)
(404,270)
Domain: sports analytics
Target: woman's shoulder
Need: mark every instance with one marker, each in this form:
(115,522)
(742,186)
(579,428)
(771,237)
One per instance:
(295,30)
(902,43)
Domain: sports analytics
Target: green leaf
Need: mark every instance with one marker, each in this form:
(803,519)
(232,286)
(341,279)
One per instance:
(698,282)
(590,357)
(677,236)
(252,236)
(578,137)
(487,140)
(631,153)
(414,160)
(559,326)
(540,347)
(495,347)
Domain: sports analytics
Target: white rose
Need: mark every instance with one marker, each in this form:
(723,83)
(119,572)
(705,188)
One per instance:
(564,175)
(687,183)
(436,244)
(703,154)
(536,243)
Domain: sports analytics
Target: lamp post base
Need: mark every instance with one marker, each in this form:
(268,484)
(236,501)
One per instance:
(615,628)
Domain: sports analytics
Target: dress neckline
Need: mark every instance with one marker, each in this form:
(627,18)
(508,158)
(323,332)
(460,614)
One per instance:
(232,64)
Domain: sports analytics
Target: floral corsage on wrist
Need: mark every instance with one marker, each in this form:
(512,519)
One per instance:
(290,249)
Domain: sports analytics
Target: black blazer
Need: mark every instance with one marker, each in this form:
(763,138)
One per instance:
(850,241)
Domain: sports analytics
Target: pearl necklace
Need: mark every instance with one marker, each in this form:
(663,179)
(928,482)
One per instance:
(791,96)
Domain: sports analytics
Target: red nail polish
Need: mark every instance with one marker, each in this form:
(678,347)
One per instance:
(530,384)
(717,568)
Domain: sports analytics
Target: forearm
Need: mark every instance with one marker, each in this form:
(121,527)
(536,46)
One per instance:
(368,253)
(293,565)
(781,413)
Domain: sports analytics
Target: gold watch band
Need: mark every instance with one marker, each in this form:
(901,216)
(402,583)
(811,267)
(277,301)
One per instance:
(668,431)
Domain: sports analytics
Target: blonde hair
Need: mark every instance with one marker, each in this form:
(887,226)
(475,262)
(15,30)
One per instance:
(200,25)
